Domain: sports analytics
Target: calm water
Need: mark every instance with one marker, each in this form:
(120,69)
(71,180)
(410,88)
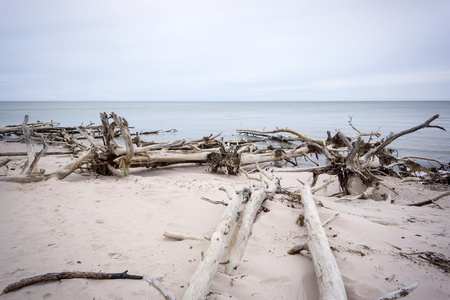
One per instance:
(194,120)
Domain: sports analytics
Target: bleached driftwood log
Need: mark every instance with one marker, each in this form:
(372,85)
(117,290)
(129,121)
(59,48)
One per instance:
(400,293)
(201,280)
(181,236)
(242,233)
(159,287)
(328,276)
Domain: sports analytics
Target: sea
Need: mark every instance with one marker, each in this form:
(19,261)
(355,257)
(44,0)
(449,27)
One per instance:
(196,119)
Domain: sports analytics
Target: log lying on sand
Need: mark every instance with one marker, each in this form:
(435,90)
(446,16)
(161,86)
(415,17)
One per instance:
(400,293)
(242,233)
(159,287)
(329,278)
(67,275)
(201,280)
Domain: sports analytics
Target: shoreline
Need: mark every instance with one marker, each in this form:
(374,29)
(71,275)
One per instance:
(97,223)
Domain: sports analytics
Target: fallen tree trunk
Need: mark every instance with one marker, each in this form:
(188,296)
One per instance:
(26,153)
(242,233)
(201,280)
(328,276)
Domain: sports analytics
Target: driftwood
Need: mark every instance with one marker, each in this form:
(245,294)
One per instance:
(67,275)
(400,293)
(201,280)
(363,159)
(159,287)
(328,276)
(431,201)
(181,236)
(242,233)
(26,153)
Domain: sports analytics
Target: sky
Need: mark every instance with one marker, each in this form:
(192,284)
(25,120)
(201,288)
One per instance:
(108,50)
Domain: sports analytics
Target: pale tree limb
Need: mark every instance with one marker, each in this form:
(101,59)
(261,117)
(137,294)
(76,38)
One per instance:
(354,151)
(433,200)
(201,280)
(25,179)
(91,139)
(328,276)
(300,136)
(214,201)
(4,162)
(320,187)
(242,233)
(67,170)
(360,134)
(424,158)
(181,236)
(377,150)
(365,195)
(334,217)
(298,248)
(159,287)
(125,160)
(31,154)
(345,141)
(310,169)
(400,293)
(33,167)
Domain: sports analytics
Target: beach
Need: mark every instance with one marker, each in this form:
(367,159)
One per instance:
(111,224)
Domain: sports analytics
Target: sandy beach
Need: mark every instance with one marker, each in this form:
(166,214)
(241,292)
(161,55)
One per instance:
(110,224)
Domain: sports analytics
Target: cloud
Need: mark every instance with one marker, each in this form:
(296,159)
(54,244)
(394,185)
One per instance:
(179,50)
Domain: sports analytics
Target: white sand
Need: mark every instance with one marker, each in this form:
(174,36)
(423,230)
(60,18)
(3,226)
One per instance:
(110,224)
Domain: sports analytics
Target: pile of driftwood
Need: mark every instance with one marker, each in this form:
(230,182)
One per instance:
(113,151)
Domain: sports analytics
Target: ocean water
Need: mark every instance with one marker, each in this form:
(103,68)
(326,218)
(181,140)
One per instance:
(193,120)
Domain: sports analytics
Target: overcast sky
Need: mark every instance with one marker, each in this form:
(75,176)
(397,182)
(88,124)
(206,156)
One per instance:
(225,50)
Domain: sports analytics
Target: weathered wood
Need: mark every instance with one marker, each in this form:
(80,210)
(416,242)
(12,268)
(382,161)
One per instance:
(31,154)
(34,165)
(201,280)
(26,153)
(378,149)
(433,200)
(329,278)
(214,201)
(4,162)
(242,233)
(67,275)
(159,287)
(125,160)
(300,137)
(181,236)
(91,139)
(69,168)
(400,293)
(25,179)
